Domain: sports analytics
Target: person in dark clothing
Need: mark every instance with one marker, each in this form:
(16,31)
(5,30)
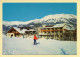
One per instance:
(35,38)
(23,36)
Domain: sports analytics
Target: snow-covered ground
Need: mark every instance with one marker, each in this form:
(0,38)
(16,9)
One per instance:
(24,46)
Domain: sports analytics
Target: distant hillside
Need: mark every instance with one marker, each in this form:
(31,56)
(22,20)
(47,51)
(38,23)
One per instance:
(69,19)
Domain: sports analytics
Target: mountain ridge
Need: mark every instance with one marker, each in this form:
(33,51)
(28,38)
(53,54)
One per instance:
(69,19)
(48,18)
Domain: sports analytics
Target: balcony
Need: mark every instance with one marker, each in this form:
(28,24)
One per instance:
(46,33)
(51,30)
(46,30)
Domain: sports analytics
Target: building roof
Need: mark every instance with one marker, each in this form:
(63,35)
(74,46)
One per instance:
(45,27)
(23,30)
(31,30)
(20,31)
(67,27)
(58,25)
(48,26)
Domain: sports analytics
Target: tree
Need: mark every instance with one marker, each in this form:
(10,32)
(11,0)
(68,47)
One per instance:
(68,35)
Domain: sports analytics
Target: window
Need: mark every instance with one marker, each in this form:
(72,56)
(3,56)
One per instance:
(55,31)
(60,31)
(48,32)
(44,32)
(52,31)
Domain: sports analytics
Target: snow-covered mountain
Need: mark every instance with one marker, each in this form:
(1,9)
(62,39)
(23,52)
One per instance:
(58,18)
(8,23)
(48,20)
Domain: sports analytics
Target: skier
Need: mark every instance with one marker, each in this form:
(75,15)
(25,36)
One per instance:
(35,38)
(23,35)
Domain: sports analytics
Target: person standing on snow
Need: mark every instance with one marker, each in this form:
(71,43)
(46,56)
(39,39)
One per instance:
(35,38)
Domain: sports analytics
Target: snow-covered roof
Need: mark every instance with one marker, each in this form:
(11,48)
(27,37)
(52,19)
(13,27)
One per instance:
(45,27)
(23,30)
(20,31)
(31,30)
(68,26)
(58,25)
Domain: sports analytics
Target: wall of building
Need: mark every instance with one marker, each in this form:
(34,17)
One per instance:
(19,35)
(9,34)
(50,34)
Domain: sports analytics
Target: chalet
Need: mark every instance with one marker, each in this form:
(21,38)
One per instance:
(53,32)
(20,32)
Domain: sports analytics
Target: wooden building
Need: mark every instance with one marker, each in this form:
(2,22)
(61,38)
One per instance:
(20,32)
(53,32)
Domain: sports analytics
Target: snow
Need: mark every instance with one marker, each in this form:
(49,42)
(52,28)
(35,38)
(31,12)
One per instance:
(62,18)
(58,25)
(24,46)
(23,30)
(58,16)
(31,30)
(49,18)
(20,31)
(8,23)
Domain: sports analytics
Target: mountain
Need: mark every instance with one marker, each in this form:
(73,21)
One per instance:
(69,19)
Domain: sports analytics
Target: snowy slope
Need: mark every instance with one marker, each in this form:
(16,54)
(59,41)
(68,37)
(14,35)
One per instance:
(8,23)
(24,46)
(59,16)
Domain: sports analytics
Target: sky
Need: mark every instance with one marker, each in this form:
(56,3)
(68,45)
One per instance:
(31,11)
